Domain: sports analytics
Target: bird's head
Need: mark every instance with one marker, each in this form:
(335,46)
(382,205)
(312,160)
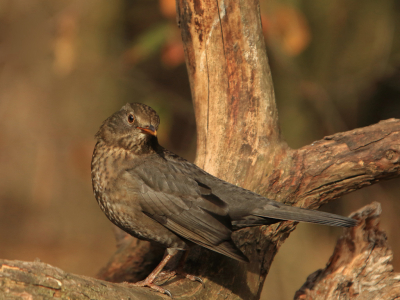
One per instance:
(133,127)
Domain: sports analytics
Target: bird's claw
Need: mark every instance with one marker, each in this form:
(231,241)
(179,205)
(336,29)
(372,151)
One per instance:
(168,293)
(145,283)
(194,278)
(171,274)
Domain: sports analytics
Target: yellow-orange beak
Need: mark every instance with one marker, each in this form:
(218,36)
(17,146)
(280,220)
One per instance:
(148,130)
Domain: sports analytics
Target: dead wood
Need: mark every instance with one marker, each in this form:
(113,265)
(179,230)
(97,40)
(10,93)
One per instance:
(360,267)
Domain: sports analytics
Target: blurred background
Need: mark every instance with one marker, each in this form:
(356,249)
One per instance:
(65,66)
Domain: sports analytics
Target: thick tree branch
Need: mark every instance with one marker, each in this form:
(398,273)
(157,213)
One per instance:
(37,280)
(360,266)
(336,165)
(231,84)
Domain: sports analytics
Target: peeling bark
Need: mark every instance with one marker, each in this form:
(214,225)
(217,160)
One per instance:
(360,267)
(37,280)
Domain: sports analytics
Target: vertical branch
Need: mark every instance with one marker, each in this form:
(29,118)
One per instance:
(237,120)
(231,85)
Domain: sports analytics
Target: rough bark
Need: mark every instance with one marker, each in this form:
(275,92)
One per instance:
(360,267)
(239,141)
(37,280)
(133,261)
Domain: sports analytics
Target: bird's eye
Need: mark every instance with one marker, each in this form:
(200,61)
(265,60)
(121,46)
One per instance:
(131,118)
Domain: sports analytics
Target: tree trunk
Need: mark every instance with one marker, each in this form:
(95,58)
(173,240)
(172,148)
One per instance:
(238,141)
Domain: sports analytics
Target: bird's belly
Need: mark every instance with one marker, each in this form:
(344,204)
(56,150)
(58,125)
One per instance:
(121,206)
(133,221)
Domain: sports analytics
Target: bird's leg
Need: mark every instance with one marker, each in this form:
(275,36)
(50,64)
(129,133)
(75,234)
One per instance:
(152,276)
(179,270)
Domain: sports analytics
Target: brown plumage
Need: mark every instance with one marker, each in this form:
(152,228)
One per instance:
(158,196)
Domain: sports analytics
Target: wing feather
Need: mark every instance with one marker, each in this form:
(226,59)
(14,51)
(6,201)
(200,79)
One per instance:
(186,207)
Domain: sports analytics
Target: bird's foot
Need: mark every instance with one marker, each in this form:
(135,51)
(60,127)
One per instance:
(150,284)
(164,274)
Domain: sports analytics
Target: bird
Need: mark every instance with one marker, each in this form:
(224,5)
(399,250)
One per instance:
(155,195)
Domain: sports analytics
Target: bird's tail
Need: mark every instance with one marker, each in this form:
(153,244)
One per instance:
(286,212)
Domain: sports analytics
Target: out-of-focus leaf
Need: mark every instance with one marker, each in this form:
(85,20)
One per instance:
(288,27)
(168,8)
(173,54)
(65,43)
(148,43)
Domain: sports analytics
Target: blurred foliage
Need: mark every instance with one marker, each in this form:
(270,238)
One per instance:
(67,65)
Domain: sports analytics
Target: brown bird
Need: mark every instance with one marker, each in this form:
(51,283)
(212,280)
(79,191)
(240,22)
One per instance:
(153,194)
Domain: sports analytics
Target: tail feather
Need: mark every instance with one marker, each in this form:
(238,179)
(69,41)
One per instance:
(286,212)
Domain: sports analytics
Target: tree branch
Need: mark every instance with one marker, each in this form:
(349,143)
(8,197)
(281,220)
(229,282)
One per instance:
(359,267)
(336,165)
(37,280)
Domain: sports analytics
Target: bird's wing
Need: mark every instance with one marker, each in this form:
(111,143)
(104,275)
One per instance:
(185,206)
(249,209)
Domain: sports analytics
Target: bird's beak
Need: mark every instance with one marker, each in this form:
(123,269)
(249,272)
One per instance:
(148,130)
